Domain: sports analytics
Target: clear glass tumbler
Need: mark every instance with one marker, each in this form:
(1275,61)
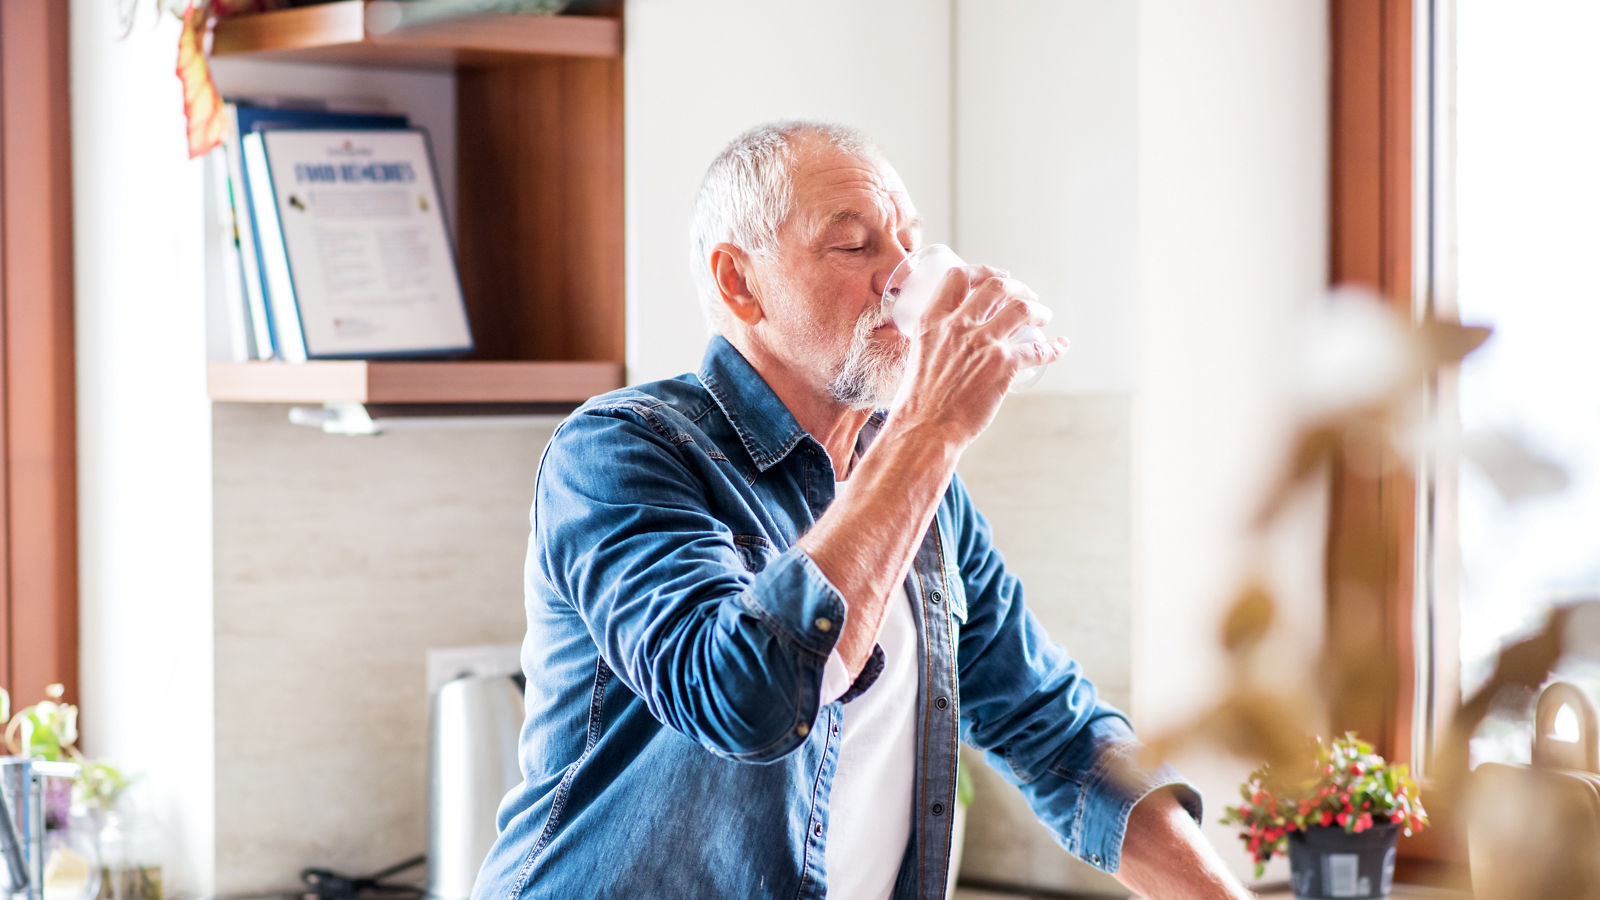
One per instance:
(911,288)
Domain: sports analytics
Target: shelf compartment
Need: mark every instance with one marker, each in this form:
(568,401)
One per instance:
(363,381)
(354,32)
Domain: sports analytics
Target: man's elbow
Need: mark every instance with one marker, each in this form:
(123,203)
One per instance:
(768,741)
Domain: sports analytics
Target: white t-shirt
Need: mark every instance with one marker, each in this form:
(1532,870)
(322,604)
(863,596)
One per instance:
(869,807)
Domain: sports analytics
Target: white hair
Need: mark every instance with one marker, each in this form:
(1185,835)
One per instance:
(748,192)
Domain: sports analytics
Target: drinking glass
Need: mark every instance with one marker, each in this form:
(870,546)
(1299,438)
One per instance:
(914,283)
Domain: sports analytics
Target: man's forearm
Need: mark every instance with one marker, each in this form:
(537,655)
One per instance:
(1165,857)
(865,541)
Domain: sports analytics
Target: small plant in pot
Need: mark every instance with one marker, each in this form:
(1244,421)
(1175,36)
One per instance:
(1337,818)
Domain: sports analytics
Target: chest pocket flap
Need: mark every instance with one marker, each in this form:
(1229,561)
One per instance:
(956,593)
(954,589)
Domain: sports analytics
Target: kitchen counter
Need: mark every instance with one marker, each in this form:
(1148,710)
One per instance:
(1400,892)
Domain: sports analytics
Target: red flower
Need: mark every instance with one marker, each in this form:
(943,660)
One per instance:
(1344,818)
(1327,817)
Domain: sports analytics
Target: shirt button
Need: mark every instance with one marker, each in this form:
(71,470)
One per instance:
(938,809)
(817,831)
(941,703)
(1094,858)
(935,596)
(824,625)
(802,729)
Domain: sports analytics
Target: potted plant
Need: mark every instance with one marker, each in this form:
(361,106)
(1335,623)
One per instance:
(47,730)
(1338,818)
(84,815)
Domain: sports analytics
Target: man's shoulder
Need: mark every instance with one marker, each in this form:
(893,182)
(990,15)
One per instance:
(666,406)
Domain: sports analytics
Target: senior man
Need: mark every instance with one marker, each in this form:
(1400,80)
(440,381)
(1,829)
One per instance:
(762,613)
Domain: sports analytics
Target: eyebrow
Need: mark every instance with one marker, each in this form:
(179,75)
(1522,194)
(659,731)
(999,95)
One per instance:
(855,215)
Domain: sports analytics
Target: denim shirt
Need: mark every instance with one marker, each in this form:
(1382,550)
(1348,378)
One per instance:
(675,742)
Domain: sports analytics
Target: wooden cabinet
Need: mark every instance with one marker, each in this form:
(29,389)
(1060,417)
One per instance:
(539,192)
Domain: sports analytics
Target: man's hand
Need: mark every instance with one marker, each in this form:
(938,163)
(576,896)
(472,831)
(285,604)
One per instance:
(961,365)
(963,359)
(1165,857)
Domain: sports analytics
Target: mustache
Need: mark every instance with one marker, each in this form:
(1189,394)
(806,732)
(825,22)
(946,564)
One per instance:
(872,320)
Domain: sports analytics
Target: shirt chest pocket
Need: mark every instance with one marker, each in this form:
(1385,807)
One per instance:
(956,595)
(754,551)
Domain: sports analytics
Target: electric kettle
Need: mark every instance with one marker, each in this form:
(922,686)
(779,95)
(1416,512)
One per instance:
(474,721)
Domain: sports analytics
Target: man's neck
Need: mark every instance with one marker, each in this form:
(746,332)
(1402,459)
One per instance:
(834,425)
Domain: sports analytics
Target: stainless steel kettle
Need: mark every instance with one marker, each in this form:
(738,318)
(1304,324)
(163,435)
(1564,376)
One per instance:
(474,722)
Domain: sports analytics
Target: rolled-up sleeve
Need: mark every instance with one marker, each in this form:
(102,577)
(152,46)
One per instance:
(729,654)
(1039,720)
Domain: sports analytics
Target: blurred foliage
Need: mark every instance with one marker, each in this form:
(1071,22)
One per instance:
(48,730)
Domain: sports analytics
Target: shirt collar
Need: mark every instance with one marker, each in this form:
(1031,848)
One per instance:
(765,426)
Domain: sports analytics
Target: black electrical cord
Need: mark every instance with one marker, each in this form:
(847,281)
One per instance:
(326,884)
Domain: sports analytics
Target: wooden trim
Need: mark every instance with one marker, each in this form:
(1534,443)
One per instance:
(40,584)
(540,203)
(1370,577)
(353,31)
(1371,566)
(6,679)
(357,381)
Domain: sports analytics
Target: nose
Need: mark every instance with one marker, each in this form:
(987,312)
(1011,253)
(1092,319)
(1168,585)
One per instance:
(885,272)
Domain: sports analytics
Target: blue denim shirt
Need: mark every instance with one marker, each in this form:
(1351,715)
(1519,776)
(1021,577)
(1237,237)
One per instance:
(675,742)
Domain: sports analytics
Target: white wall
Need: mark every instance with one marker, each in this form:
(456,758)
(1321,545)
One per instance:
(1157,171)
(144,444)
(1232,217)
(145,430)
(1047,169)
(699,72)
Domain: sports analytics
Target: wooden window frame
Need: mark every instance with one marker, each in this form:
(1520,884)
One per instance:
(38,431)
(1383,235)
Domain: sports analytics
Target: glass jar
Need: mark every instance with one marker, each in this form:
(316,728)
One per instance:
(130,855)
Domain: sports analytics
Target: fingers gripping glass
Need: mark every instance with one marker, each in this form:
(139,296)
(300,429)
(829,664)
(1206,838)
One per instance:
(915,282)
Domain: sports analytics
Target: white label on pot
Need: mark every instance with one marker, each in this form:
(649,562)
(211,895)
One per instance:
(1341,875)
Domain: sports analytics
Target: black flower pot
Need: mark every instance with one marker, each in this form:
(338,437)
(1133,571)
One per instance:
(1326,863)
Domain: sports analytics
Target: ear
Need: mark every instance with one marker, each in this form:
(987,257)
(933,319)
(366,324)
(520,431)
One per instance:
(730,267)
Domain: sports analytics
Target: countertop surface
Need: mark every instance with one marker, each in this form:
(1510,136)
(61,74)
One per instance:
(1400,892)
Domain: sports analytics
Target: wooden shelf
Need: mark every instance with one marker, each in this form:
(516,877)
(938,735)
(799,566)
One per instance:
(360,381)
(364,32)
(539,218)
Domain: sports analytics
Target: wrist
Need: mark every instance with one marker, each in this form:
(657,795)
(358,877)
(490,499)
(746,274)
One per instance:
(925,446)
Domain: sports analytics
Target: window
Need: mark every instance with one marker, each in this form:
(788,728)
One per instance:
(1526,191)
(1462,184)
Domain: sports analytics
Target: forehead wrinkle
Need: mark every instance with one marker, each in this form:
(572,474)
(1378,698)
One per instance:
(840,183)
(850,214)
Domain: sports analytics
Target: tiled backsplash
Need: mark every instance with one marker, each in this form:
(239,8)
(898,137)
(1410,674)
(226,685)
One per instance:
(1053,475)
(340,561)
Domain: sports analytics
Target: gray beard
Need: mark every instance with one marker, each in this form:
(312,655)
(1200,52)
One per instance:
(870,373)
